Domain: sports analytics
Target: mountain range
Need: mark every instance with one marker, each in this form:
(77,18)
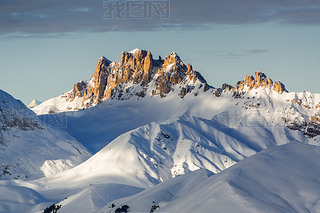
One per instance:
(151,135)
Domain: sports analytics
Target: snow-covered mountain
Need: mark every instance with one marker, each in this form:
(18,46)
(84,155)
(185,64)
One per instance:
(163,137)
(137,74)
(29,148)
(152,139)
(138,77)
(279,179)
(34,103)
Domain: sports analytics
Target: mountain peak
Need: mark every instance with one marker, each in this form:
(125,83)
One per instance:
(136,68)
(34,103)
(138,74)
(134,51)
(259,81)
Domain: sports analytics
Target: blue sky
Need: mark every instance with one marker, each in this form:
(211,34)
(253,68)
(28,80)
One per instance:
(47,46)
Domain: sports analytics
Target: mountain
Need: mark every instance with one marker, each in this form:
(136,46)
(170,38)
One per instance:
(280,179)
(31,149)
(155,140)
(34,103)
(143,90)
(137,74)
(162,137)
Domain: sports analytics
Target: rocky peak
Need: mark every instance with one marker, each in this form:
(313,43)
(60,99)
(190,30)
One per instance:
(260,80)
(173,71)
(137,67)
(140,61)
(34,103)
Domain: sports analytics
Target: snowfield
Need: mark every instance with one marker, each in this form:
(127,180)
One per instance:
(194,154)
(279,179)
(27,145)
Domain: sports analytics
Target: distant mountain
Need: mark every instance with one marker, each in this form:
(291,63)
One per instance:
(34,103)
(29,148)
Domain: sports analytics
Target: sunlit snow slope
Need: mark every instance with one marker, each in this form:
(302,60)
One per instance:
(280,179)
(30,149)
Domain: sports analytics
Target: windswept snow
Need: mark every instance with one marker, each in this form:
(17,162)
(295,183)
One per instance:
(27,144)
(58,104)
(279,179)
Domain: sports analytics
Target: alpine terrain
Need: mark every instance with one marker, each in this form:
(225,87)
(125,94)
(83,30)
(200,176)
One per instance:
(163,140)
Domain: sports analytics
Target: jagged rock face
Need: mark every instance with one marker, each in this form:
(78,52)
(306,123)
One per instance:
(278,87)
(261,80)
(313,127)
(310,128)
(94,92)
(250,82)
(137,67)
(134,67)
(140,63)
(172,72)
(78,90)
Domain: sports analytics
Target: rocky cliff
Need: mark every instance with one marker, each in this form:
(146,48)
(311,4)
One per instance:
(259,81)
(138,74)
(137,67)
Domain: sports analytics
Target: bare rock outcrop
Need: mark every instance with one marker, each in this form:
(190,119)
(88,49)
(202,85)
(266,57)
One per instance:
(310,127)
(172,72)
(139,68)
(250,82)
(78,90)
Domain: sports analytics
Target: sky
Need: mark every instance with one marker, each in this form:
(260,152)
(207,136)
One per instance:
(48,46)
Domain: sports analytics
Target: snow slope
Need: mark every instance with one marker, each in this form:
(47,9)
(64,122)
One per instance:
(183,135)
(99,125)
(157,152)
(58,104)
(20,199)
(30,149)
(152,140)
(279,179)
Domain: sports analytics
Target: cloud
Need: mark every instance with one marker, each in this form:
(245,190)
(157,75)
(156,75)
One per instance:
(236,54)
(232,54)
(63,16)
